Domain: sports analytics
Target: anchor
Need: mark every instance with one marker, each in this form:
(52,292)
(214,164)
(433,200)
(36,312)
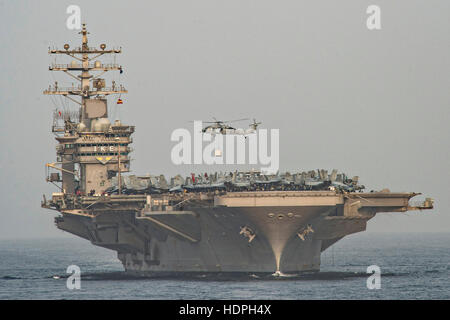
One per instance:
(305,231)
(248,233)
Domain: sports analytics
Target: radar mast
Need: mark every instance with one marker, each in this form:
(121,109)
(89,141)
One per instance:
(89,145)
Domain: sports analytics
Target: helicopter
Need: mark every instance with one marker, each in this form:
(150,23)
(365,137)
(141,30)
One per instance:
(223,127)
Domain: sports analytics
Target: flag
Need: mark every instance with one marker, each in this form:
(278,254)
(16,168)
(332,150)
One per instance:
(119,101)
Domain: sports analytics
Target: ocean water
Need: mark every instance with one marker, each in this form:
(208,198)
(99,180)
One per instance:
(413,266)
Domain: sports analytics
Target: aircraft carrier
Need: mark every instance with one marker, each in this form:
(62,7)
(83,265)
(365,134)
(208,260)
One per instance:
(238,222)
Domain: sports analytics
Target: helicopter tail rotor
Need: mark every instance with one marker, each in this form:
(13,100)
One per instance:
(255,124)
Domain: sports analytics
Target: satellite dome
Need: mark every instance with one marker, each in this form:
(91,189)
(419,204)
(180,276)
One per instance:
(81,127)
(100,125)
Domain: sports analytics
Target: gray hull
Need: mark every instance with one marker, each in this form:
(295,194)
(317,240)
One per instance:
(240,232)
(220,247)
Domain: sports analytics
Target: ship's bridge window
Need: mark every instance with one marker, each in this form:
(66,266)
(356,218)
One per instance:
(102,154)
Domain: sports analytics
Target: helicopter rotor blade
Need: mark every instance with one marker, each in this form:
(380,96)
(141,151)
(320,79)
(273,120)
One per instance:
(220,122)
(237,120)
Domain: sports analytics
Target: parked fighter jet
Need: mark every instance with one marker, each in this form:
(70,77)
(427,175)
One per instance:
(237,181)
(268,182)
(204,182)
(129,185)
(176,184)
(157,184)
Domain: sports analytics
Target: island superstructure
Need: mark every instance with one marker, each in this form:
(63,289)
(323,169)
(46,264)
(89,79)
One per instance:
(246,222)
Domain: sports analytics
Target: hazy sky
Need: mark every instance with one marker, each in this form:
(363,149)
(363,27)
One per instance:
(369,103)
